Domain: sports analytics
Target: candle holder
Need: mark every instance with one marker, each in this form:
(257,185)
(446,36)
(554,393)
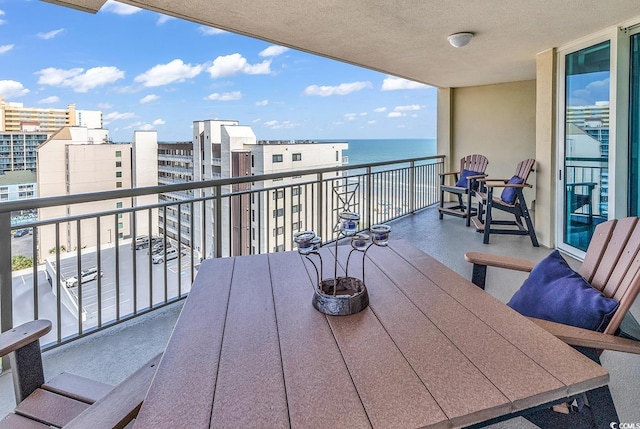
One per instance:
(345,295)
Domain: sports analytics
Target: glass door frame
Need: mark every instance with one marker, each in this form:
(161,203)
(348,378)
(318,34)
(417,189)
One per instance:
(618,128)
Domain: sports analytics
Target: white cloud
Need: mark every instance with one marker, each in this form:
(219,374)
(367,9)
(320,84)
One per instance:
(104,105)
(162,19)
(277,125)
(78,79)
(2,21)
(12,89)
(380,109)
(230,65)
(407,108)
(115,116)
(5,48)
(273,50)
(227,96)
(49,100)
(372,122)
(210,31)
(158,122)
(119,8)
(392,83)
(395,114)
(262,102)
(148,98)
(164,74)
(342,89)
(51,34)
(350,116)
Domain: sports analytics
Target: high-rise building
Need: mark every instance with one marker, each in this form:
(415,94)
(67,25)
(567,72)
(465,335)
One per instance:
(18,150)
(77,160)
(263,221)
(16,117)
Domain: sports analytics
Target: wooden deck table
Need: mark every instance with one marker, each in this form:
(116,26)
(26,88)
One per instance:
(431,350)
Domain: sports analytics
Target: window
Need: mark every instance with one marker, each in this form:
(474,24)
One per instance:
(118,184)
(278,231)
(119,204)
(276,158)
(278,194)
(278,212)
(295,191)
(297,208)
(118,173)
(120,225)
(295,226)
(278,180)
(279,248)
(252,162)
(297,157)
(118,164)
(118,154)
(337,156)
(119,215)
(253,215)
(253,233)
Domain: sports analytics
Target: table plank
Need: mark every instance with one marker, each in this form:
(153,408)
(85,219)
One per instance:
(577,372)
(320,393)
(250,390)
(462,391)
(186,376)
(517,376)
(392,393)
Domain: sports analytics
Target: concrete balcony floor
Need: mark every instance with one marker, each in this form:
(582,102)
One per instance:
(114,353)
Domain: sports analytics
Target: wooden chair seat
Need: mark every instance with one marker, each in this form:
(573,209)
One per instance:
(464,209)
(68,400)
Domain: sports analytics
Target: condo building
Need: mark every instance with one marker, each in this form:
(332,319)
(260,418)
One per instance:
(266,218)
(78,160)
(15,117)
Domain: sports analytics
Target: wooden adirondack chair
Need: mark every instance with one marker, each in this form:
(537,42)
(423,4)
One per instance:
(516,206)
(612,266)
(476,164)
(68,400)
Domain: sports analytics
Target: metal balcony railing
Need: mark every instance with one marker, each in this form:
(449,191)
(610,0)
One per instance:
(235,216)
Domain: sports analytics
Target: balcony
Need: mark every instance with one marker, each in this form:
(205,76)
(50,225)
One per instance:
(401,194)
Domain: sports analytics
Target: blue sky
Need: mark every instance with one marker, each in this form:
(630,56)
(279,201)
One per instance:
(144,70)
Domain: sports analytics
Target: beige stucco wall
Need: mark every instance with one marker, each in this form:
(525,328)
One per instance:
(498,121)
(546,147)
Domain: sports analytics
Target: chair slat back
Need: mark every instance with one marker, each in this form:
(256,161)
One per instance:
(475,162)
(612,264)
(524,168)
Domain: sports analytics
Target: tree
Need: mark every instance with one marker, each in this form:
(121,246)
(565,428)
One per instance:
(20,262)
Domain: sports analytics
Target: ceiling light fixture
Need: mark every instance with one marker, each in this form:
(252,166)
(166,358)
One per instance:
(458,40)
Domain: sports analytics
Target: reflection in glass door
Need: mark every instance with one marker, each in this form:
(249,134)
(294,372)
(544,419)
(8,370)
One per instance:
(586,146)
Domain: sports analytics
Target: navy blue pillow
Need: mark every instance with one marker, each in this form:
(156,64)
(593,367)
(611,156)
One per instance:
(463,179)
(509,194)
(556,293)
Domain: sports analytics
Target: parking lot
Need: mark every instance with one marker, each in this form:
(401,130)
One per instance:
(102,300)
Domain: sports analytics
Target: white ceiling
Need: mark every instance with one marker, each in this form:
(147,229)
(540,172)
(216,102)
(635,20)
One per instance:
(408,38)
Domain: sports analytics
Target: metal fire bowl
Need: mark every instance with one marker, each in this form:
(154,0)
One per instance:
(350,297)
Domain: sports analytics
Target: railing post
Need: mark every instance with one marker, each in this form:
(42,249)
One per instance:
(320,204)
(412,187)
(6,286)
(369,198)
(218,219)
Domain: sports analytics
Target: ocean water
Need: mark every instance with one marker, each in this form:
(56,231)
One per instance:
(363,151)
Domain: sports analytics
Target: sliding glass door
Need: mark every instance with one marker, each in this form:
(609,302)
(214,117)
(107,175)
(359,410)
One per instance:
(584,170)
(634,127)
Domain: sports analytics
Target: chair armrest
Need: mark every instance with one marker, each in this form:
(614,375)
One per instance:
(449,174)
(586,338)
(117,408)
(487,259)
(22,335)
(481,261)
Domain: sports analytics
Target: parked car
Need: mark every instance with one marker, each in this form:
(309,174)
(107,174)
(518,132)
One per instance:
(158,247)
(171,253)
(142,242)
(85,276)
(20,233)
